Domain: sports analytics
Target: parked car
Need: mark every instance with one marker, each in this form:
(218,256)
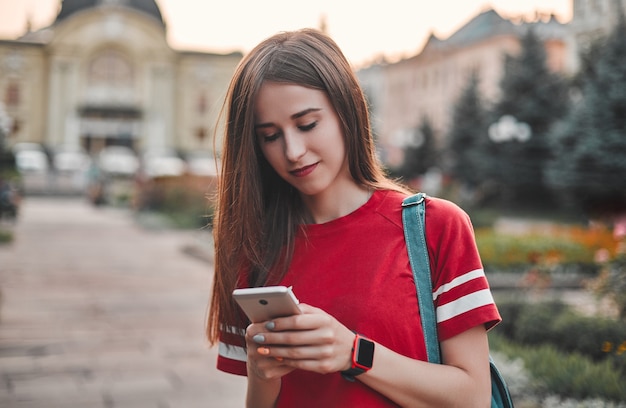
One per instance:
(163,162)
(70,159)
(118,161)
(202,163)
(30,158)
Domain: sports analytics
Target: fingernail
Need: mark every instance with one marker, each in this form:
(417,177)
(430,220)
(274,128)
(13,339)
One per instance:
(259,338)
(264,351)
(270,325)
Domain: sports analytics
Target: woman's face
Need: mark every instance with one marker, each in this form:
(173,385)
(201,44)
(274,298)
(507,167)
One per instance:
(300,135)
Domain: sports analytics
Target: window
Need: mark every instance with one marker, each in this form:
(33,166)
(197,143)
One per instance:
(201,134)
(201,106)
(110,68)
(12,96)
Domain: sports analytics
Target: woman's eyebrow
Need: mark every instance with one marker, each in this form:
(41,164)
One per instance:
(263,125)
(304,112)
(294,116)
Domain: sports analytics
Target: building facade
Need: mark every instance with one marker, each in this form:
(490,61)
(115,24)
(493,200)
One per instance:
(592,20)
(427,85)
(103,74)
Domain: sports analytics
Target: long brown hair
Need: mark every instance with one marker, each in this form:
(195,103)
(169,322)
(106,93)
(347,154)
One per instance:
(258,213)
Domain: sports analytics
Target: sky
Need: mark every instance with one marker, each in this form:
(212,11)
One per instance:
(364,30)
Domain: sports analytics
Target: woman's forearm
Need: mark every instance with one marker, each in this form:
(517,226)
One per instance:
(462,382)
(262,393)
(420,384)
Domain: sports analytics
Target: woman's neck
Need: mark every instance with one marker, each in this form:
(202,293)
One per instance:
(332,205)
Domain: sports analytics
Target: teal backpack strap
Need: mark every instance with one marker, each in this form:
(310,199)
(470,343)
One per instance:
(413,222)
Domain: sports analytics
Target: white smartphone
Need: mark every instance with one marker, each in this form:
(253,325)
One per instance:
(266,303)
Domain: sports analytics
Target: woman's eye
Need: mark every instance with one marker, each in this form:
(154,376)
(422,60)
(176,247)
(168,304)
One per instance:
(270,138)
(306,128)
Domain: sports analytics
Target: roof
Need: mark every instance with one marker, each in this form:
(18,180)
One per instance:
(485,25)
(70,7)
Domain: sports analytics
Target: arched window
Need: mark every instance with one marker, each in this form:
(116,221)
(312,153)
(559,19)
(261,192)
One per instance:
(110,68)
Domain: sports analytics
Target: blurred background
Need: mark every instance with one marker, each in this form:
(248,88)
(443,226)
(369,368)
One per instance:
(514,110)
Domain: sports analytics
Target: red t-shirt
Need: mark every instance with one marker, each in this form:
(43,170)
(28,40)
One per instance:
(356,268)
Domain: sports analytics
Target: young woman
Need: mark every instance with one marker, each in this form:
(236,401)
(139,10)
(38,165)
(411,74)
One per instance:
(303,202)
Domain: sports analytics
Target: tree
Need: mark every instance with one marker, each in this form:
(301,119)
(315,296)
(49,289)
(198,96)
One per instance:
(420,153)
(468,136)
(536,98)
(589,166)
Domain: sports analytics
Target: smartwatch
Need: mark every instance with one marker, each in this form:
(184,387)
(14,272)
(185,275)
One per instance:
(362,357)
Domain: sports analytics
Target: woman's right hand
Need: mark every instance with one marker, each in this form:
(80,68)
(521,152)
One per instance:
(313,341)
(261,365)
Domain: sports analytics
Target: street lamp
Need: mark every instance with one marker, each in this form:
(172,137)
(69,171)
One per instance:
(508,128)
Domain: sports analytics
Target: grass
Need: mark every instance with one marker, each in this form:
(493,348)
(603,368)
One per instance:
(6,236)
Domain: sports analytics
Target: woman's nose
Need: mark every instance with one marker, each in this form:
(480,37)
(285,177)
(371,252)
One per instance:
(295,147)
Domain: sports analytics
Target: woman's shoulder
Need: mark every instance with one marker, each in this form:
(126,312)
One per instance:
(438,210)
(443,207)
(440,206)
(442,214)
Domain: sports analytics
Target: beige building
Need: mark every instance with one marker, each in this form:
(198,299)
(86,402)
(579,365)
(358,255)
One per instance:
(428,84)
(591,20)
(103,74)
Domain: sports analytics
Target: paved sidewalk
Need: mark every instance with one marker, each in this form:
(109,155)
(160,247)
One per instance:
(99,312)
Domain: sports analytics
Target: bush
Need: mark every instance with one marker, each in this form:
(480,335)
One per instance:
(570,375)
(574,375)
(186,200)
(611,283)
(510,312)
(483,218)
(588,335)
(5,236)
(534,323)
(549,247)
(554,323)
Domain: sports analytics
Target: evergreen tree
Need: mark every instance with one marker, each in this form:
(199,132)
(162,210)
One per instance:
(420,154)
(536,98)
(590,161)
(468,136)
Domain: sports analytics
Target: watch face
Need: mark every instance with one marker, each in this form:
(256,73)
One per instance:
(365,353)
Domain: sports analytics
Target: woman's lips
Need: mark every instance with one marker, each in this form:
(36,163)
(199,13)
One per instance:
(304,171)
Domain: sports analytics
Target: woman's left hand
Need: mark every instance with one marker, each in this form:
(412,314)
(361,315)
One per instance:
(312,341)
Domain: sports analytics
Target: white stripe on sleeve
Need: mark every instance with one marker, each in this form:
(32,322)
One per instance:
(464,304)
(458,281)
(232,352)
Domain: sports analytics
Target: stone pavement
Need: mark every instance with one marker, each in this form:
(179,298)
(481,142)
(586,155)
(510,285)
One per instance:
(97,311)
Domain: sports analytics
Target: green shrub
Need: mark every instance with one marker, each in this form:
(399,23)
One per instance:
(484,218)
(510,312)
(502,251)
(186,210)
(5,236)
(185,200)
(574,375)
(611,283)
(548,248)
(571,375)
(554,323)
(534,323)
(588,335)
